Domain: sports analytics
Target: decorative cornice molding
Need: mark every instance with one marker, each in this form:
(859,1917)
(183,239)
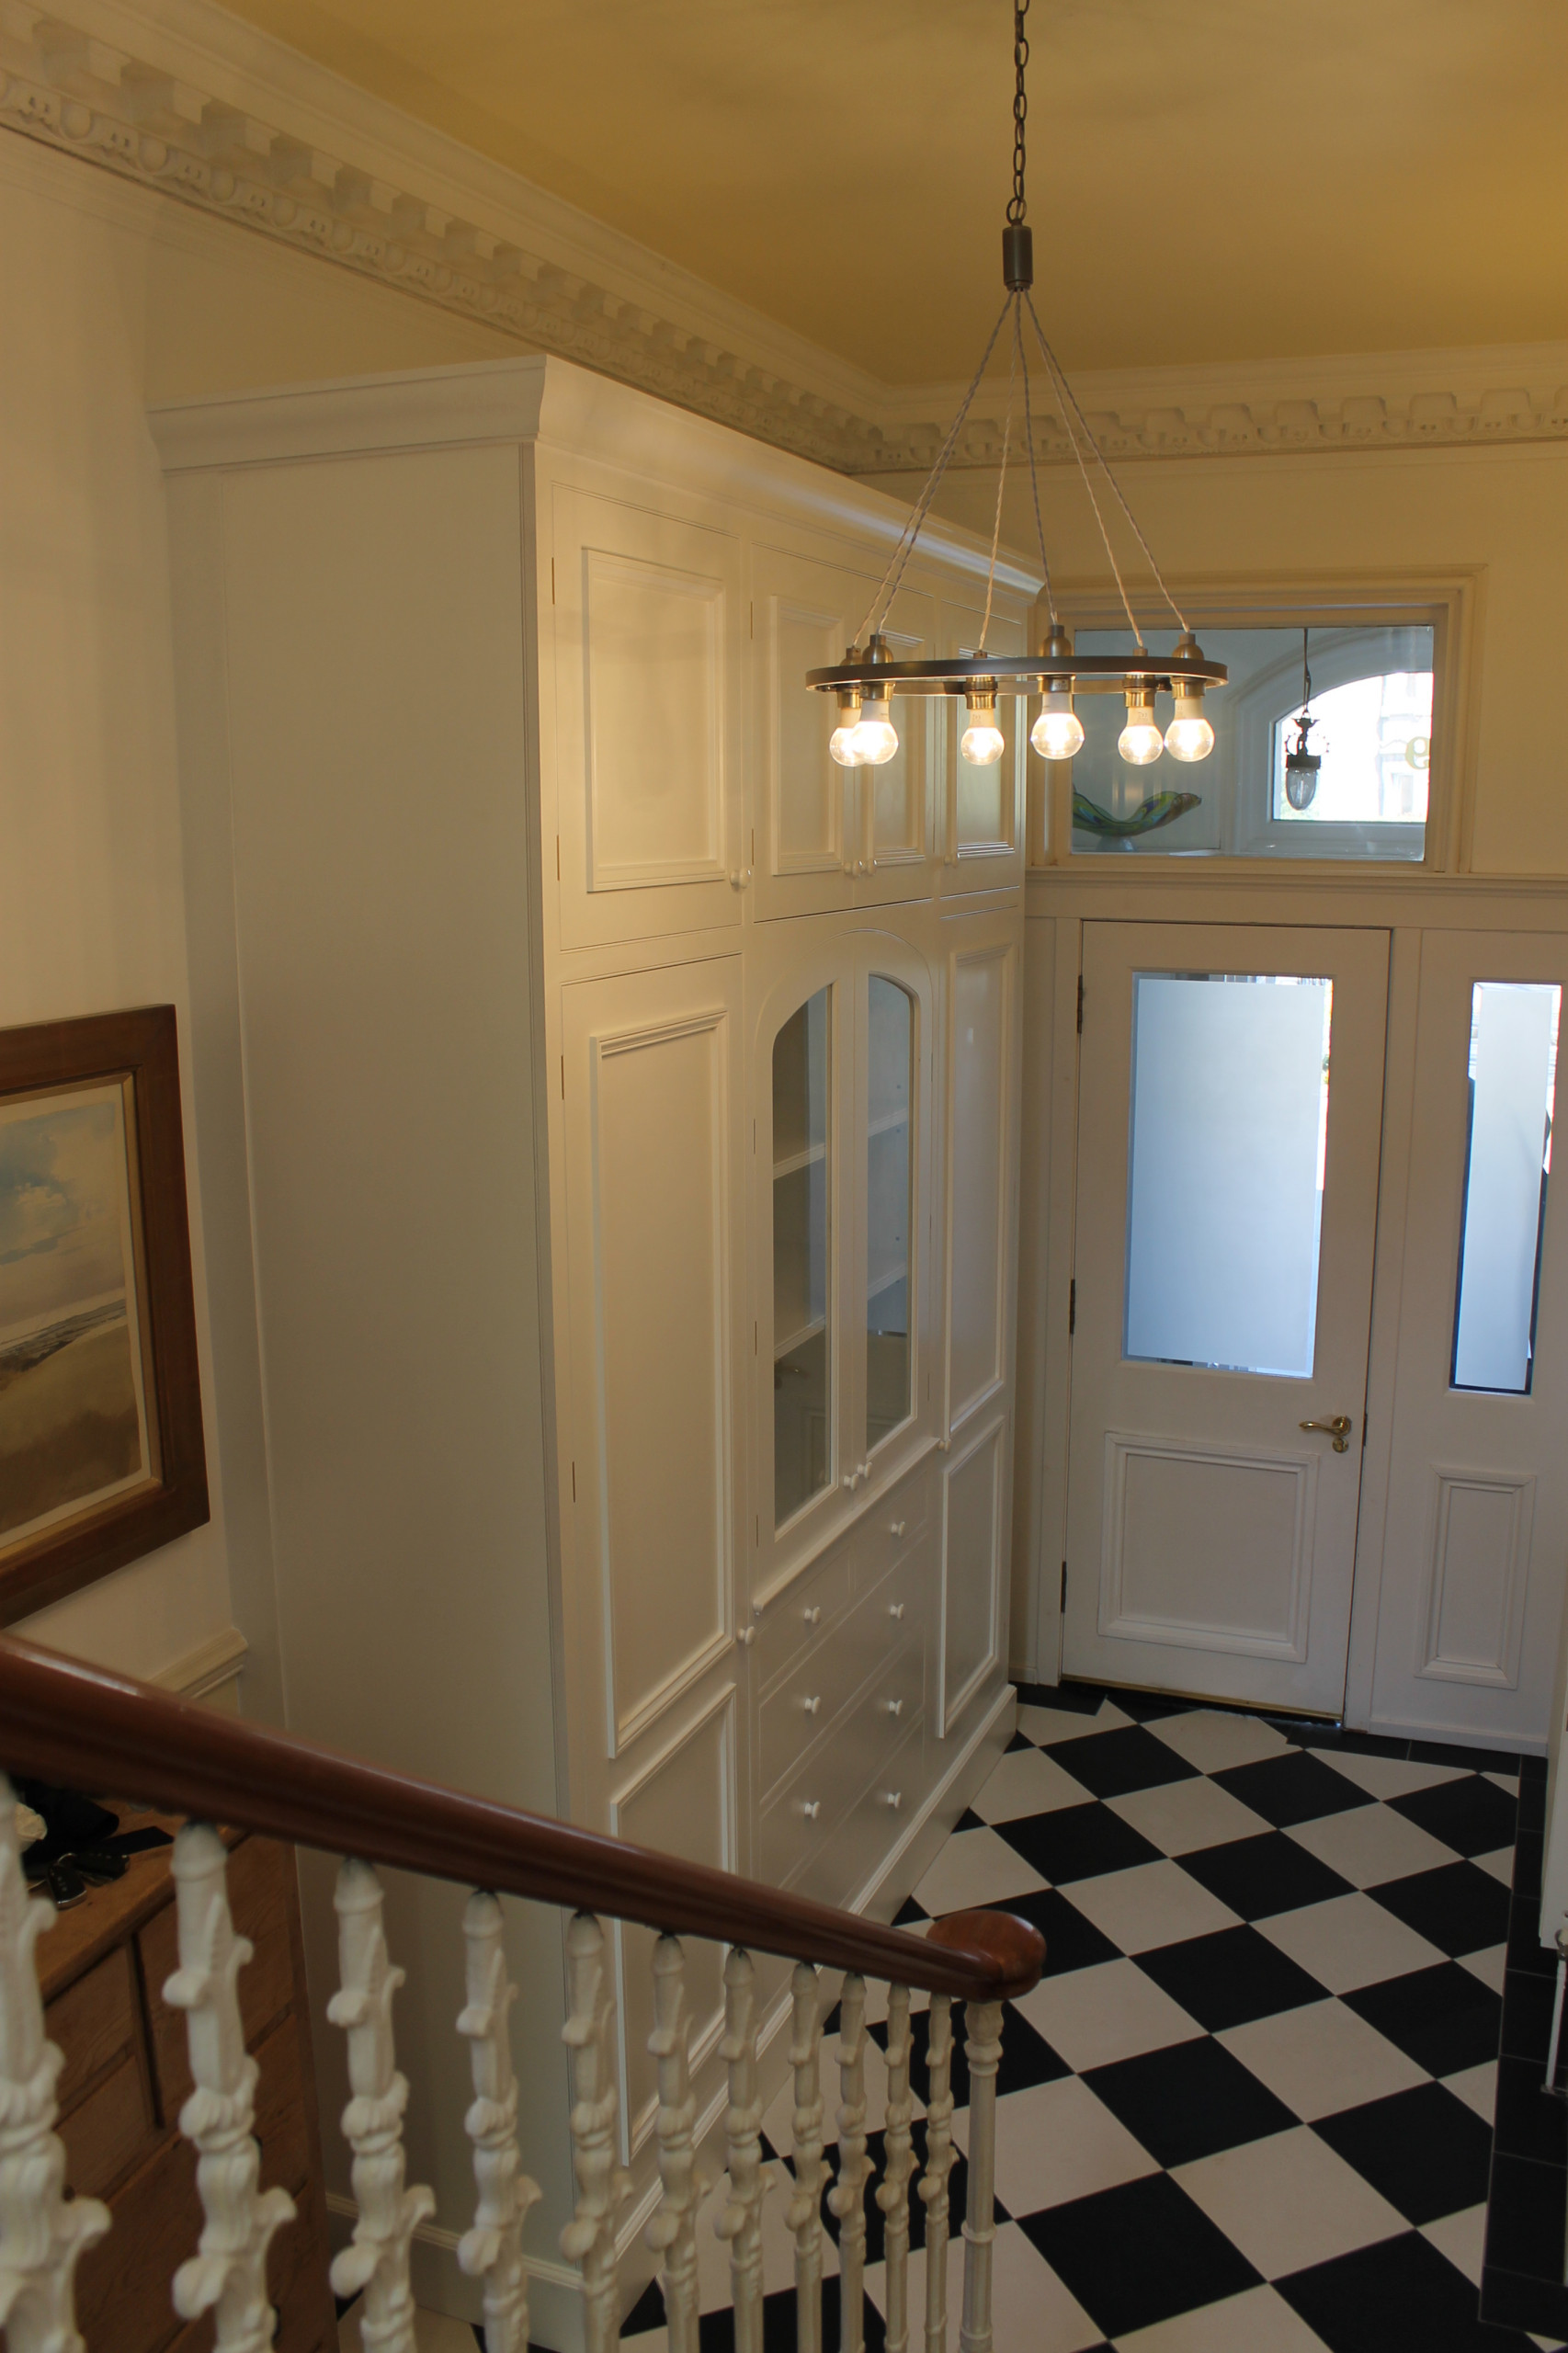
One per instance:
(180,96)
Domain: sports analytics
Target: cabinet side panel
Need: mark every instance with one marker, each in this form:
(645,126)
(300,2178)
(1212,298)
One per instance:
(980,1074)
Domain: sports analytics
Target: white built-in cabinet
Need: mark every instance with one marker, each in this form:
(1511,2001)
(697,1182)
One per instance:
(497,757)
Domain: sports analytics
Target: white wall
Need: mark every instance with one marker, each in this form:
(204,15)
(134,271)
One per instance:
(112,298)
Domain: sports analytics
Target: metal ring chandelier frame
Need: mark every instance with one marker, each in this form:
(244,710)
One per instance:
(868,677)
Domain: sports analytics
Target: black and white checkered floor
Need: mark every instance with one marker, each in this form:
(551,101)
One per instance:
(1249,2108)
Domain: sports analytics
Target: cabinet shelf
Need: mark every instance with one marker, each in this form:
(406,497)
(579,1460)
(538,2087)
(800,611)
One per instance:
(885,1283)
(798,1338)
(887,1121)
(791,1163)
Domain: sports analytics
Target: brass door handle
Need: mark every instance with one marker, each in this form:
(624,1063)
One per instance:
(1338,1430)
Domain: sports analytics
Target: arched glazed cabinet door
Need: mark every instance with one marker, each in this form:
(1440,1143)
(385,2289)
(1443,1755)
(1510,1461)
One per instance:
(895,1387)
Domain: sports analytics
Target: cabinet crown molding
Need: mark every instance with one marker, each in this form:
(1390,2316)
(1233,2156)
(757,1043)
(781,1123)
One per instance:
(180,96)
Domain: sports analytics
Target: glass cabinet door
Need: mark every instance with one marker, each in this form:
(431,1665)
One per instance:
(802,1257)
(889,1093)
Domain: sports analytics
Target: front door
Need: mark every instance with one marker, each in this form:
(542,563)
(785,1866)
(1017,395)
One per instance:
(1230,1116)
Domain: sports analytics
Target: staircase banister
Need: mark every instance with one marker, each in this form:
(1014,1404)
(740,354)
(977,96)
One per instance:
(65,1722)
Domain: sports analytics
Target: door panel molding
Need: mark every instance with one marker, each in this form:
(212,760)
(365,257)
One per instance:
(1119,1618)
(1465,1543)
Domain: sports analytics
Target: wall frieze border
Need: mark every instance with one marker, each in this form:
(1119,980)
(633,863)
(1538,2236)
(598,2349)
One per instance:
(132,113)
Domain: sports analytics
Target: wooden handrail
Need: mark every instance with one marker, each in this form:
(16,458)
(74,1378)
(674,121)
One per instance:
(81,1726)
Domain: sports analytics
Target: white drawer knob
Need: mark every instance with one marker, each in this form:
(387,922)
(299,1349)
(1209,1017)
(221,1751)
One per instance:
(895,1528)
(812,1705)
(895,1609)
(813,1615)
(810,1807)
(893,1707)
(746,1637)
(893,1798)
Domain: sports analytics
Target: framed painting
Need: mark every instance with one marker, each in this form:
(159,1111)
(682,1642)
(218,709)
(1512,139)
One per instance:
(101,1451)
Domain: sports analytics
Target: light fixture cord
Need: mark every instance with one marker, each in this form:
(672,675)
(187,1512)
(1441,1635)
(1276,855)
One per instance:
(911,532)
(1071,399)
(1017,204)
(1034,471)
(1001,484)
(1068,406)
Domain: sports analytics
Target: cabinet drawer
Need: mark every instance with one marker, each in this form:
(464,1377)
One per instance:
(807,1699)
(892,1612)
(797,1616)
(840,1864)
(106,2133)
(890,1530)
(799,1821)
(93,2021)
(260,1884)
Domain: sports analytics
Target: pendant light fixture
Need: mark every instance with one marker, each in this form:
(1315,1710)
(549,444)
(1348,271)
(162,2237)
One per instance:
(867,678)
(1301,765)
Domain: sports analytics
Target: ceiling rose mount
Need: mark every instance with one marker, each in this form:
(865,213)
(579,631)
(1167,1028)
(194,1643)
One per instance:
(867,678)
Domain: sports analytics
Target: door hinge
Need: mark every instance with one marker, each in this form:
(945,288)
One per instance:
(553,580)
(756,1339)
(1080,1004)
(1363,1433)
(564,1078)
(751,619)
(558,858)
(1062,1605)
(1072,1307)
(573,1482)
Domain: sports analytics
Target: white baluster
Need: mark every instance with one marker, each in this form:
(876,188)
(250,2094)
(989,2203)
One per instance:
(492,2250)
(227,2276)
(602,2184)
(983,2049)
(741,2222)
(672,2232)
(848,2195)
(43,2234)
(893,2193)
(938,2165)
(804,2216)
(377,2259)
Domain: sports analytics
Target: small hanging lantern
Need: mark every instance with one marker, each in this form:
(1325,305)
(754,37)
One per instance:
(1301,765)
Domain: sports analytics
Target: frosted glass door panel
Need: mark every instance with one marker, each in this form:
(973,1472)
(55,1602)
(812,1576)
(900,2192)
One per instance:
(889,1168)
(1225,1169)
(802,1354)
(1513,1068)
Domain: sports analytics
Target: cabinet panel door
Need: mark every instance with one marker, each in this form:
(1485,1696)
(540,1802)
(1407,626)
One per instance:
(895,854)
(803,616)
(981,1082)
(648,621)
(983,827)
(974,1531)
(652,1121)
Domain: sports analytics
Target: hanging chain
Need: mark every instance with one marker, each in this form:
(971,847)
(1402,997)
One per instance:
(1018,205)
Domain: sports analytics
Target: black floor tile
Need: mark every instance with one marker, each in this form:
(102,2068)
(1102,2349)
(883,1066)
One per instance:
(968,1820)
(716,2332)
(1424,2150)
(647,2312)
(1528,1859)
(1476,1760)
(1227,1978)
(909,1914)
(1527,2016)
(1530,2122)
(1510,2300)
(1398,2296)
(1071,1941)
(1296,1787)
(1353,1743)
(1533,1769)
(1151,1707)
(1072,1699)
(1189,2100)
(1526,1951)
(1456,1907)
(1019,1740)
(1532,1803)
(1473,1816)
(1112,1763)
(1442,2018)
(1525,2219)
(1139,2254)
(1258,1877)
(1077,1841)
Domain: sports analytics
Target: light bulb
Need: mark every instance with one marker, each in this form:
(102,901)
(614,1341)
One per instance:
(982,742)
(875,738)
(1190,735)
(1140,741)
(840,743)
(1058,733)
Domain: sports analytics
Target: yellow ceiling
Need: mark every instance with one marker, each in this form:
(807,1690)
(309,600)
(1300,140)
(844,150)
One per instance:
(1224,179)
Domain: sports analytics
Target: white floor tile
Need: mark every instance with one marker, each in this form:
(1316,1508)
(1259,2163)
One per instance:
(1371,1845)
(1151,1905)
(1387,1777)
(1051,1725)
(1349,1941)
(1259,2322)
(1321,2058)
(1032,2311)
(1460,2237)
(1112,2011)
(1056,2141)
(1500,1863)
(1489,1966)
(1477,2086)
(976,1868)
(777,2121)
(1028,1781)
(1288,2201)
(1213,1740)
(1508,1782)
(1182,1816)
